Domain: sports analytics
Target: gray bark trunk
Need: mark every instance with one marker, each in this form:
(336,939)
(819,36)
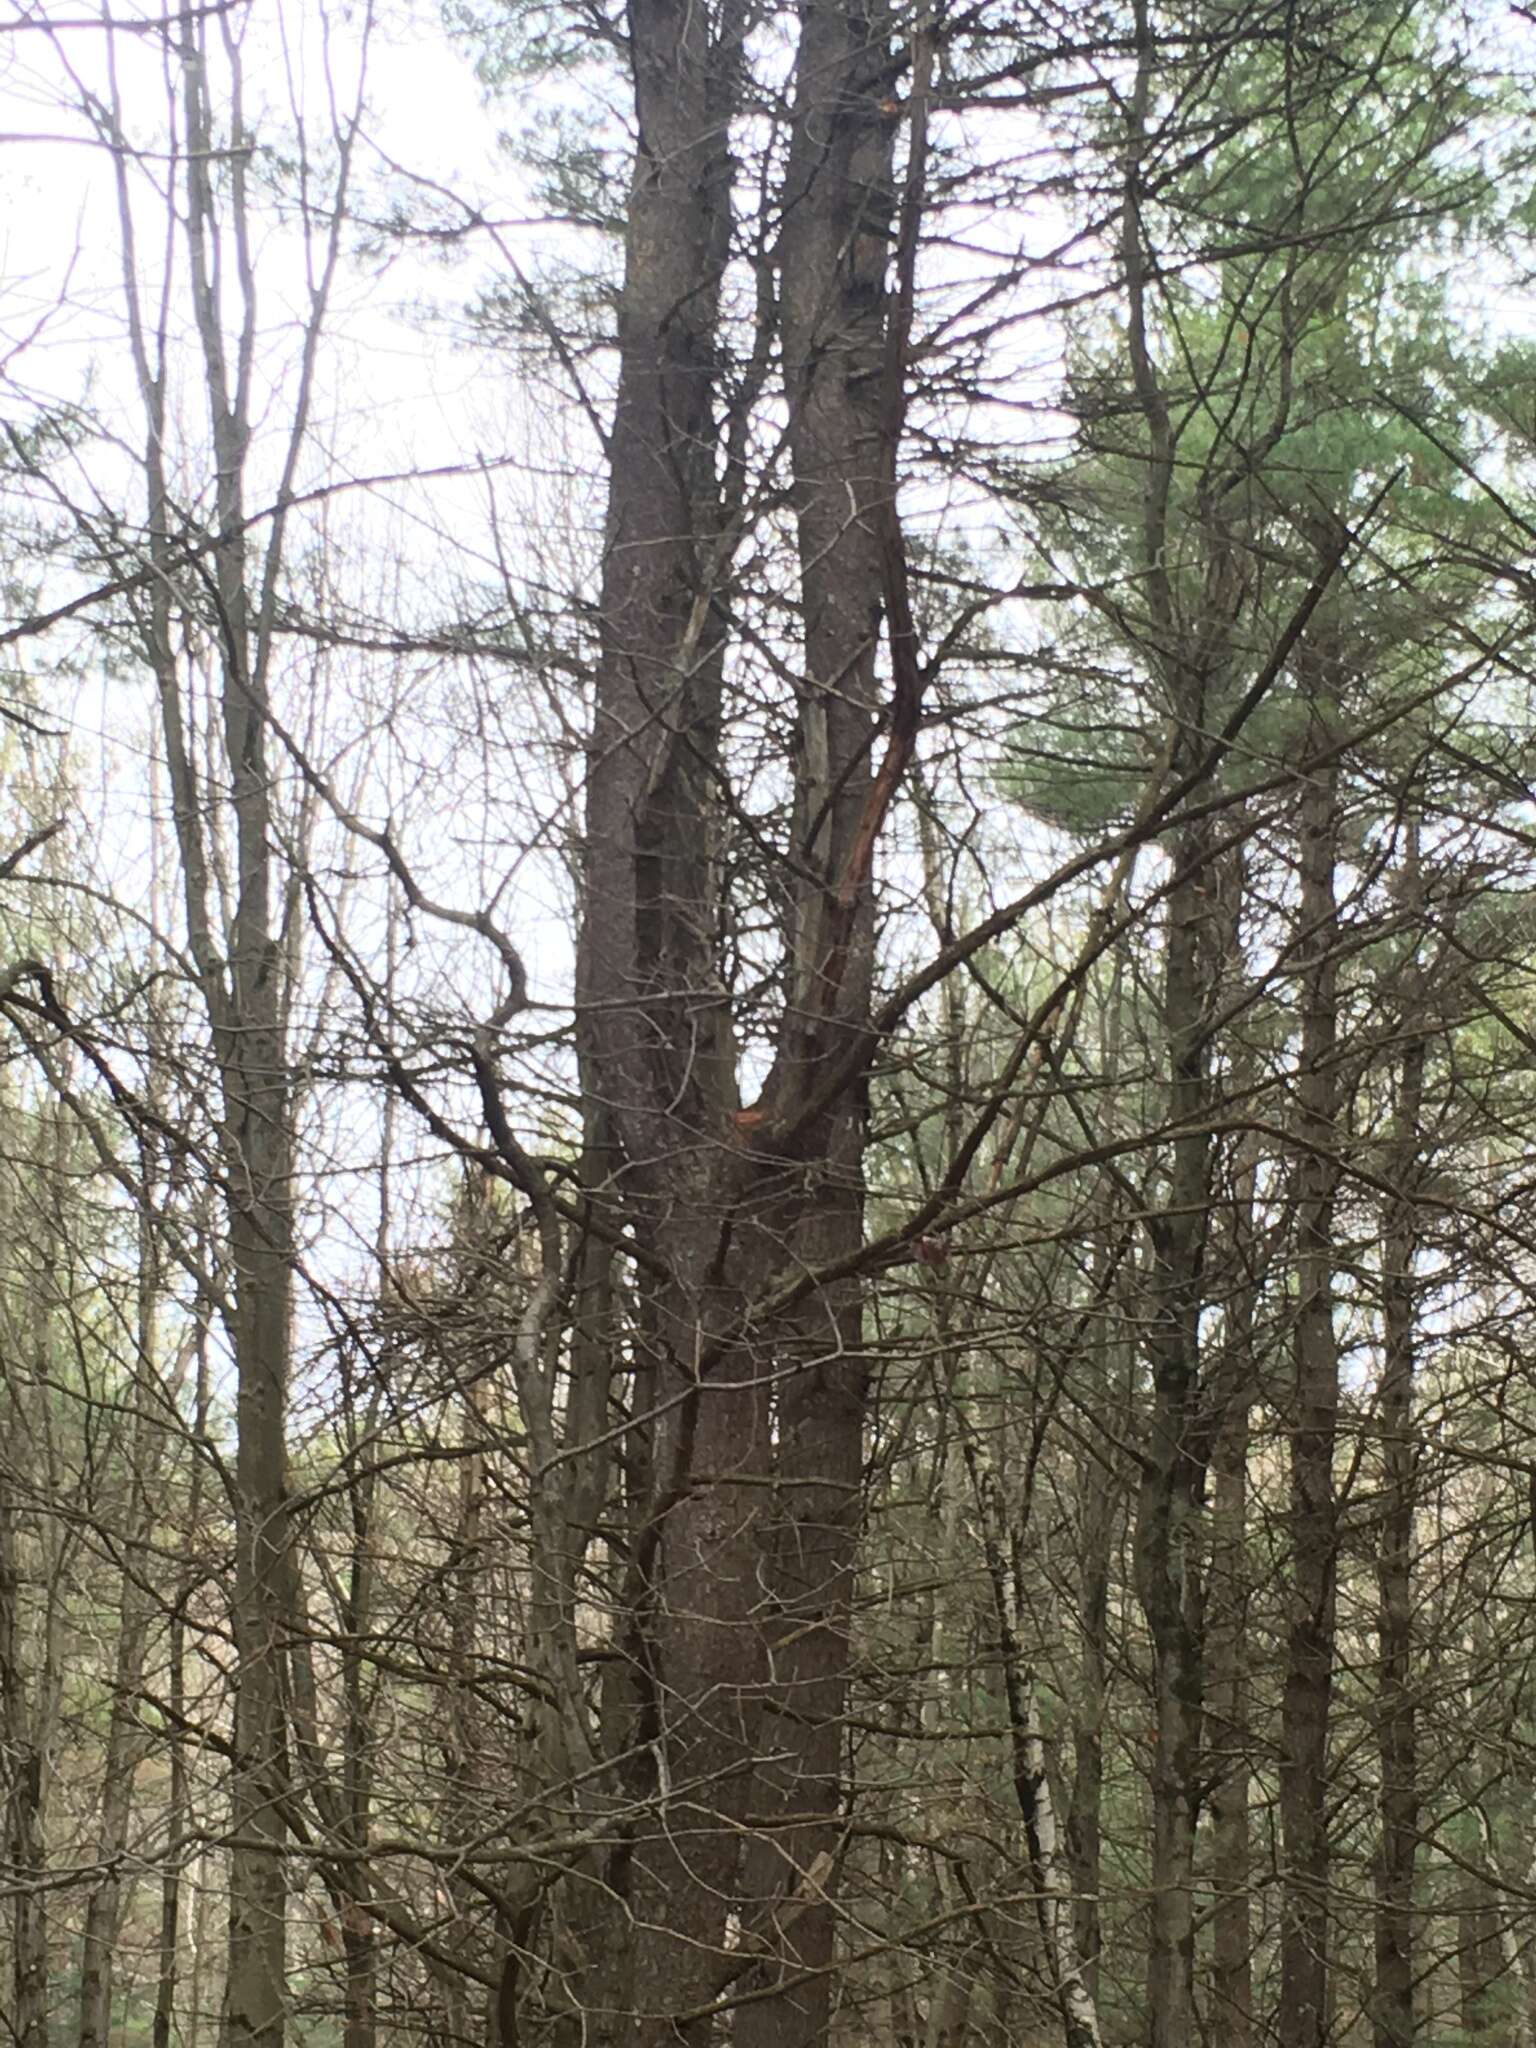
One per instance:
(1397,1850)
(23,1786)
(124,1748)
(1307,1691)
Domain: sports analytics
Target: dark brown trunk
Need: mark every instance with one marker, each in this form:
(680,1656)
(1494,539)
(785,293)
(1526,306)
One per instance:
(656,1046)
(740,1589)
(1170,1506)
(360,1949)
(256,1988)
(1170,1509)
(832,262)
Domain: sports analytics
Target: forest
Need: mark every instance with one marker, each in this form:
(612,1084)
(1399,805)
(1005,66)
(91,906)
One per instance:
(768,1024)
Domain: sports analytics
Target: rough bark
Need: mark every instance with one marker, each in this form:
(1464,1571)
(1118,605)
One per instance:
(832,263)
(1170,1507)
(731,1578)
(656,1049)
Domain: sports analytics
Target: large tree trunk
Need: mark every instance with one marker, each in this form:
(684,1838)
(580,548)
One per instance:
(739,1597)
(833,257)
(243,976)
(260,1240)
(657,1057)
(1170,1509)
(1307,1692)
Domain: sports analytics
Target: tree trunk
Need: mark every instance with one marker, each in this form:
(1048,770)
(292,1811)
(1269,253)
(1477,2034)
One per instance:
(103,1911)
(465,1794)
(832,260)
(1085,1810)
(1231,2018)
(1478,1959)
(1049,1860)
(180,1807)
(358,1934)
(256,1987)
(1170,1508)
(656,1050)
(243,976)
(168,1972)
(125,1745)
(23,1786)
(740,1589)
(1231,1590)
(1396,1966)
(1307,1692)
(31,1675)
